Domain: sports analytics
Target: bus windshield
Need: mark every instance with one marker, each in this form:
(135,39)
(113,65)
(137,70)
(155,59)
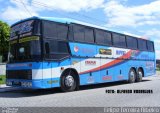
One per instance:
(25,51)
(25,41)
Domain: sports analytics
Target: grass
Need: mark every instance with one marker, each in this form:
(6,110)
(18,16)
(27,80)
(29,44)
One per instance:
(2,79)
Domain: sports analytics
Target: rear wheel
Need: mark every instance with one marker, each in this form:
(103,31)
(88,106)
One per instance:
(132,76)
(139,75)
(68,81)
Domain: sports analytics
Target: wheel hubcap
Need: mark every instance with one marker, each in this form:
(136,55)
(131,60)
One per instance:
(139,74)
(132,75)
(69,81)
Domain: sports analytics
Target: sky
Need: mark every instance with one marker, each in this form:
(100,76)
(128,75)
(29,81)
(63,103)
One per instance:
(139,18)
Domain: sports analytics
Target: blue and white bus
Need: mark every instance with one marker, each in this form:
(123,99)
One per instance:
(59,52)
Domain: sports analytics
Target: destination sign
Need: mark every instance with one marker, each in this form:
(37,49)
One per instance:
(24,28)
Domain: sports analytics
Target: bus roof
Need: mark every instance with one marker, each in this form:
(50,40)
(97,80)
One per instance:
(69,21)
(62,20)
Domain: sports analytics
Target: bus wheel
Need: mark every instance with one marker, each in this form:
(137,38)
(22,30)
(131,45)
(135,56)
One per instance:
(68,81)
(139,75)
(132,76)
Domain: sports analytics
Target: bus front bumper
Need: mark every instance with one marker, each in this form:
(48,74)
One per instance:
(29,84)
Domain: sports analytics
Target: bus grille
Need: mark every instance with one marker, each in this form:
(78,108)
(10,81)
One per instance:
(19,74)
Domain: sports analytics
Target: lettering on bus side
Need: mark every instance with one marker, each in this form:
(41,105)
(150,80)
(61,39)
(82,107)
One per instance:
(52,81)
(106,77)
(83,49)
(88,62)
(120,77)
(120,52)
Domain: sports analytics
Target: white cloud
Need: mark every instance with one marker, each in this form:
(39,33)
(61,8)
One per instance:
(68,5)
(18,11)
(152,34)
(120,15)
(13,14)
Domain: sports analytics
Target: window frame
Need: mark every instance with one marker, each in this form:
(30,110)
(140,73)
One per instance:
(119,46)
(140,44)
(84,41)
(57,23)
(148,41)
(104,31)
(136,42)
(66,54)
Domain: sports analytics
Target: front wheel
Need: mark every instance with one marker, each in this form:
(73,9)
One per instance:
(132,76)
(68,81)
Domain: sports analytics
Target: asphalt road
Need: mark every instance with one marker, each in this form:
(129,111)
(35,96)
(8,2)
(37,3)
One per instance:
(87,96)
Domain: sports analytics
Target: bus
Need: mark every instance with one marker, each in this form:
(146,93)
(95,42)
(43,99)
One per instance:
(60,52)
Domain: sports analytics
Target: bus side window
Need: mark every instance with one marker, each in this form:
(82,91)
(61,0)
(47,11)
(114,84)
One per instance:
(47,48)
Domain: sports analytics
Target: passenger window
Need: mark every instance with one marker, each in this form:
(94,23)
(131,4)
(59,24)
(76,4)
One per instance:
(150,46)
(79,33)
(103,37)
(131,42)
(54,30)
(99,37)
(89,36)
(56,49)
(142,45)
(119,40)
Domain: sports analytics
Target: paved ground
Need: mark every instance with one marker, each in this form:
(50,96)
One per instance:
(88,96)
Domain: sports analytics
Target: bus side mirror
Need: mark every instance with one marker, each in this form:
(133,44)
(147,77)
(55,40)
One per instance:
(47,48)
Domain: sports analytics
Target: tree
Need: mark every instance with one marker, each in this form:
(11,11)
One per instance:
(4,39)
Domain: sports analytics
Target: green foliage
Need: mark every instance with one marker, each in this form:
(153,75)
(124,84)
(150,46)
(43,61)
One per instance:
(4,39)
(2,79)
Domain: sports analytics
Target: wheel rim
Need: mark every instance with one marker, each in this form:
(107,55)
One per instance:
(69,81)
(132,75)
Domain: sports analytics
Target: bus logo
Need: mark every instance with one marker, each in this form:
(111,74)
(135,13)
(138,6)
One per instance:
(105,51)
(76,49)
(134,53)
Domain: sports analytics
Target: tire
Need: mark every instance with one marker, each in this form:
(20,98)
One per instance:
(132,76)
(68,81)
(139,75)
